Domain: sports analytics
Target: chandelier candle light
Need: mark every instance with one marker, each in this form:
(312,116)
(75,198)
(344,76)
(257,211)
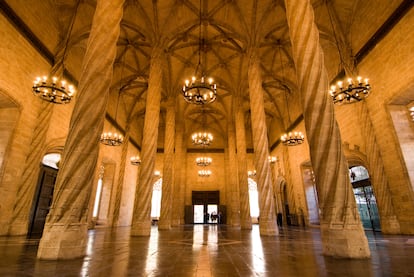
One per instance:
(411,110)
(112,139)
(204,173)
(354,91)
(251,173)
(135,160)
(199,92)
(203,161)
(272,159)
(292,139)
(202,138)
(51,91)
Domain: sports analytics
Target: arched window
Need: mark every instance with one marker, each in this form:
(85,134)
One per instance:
(253,198)
(156,199)
(51,160)
(358,173)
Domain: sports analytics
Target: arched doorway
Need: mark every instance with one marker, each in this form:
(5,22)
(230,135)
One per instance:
(44,194)
(365,198)
(253,200)
(156,201)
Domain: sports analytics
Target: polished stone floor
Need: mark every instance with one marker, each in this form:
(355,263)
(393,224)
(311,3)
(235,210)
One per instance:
(209,250)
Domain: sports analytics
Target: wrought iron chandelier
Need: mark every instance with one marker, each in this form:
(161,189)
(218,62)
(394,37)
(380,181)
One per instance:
(295,138)
(411,110)
(202,138)
(201,89)
(204,173)
(292,139)
(251,173)
(203,161)
(352,92)
(111,139)
(135,160)
(199,92)
(52,91)
(272,159)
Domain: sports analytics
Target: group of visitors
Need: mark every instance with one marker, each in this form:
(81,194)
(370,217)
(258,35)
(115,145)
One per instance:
(214,217)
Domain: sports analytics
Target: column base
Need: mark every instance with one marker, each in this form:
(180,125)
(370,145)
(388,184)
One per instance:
(390,225)
(18,228)
(268,228)
(175,222)
(246,224)
(60,241)
(142,229)
(406,226)
(164,225)
(4,228)
(344,242)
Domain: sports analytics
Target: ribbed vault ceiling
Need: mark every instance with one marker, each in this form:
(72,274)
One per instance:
(219,33)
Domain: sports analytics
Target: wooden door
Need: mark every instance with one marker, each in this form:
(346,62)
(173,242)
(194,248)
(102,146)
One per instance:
(42,201)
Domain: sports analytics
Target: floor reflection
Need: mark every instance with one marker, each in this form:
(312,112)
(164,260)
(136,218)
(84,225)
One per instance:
(151,261)
(209,250)
(258,259)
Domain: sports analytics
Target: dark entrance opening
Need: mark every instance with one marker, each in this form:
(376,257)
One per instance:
(42,201)
(365,198)
(206,208)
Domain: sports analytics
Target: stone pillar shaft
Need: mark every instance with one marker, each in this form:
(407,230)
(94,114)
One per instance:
(245,218)
(121,176)
(178,187)
(267,220)
(168,171)
(141,219)
(341,229)
(233,216)
(65,232)
(24,199)
(389,221)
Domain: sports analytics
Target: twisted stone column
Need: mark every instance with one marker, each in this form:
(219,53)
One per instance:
(65,232)
(178,202)
(168,171)
(121,176)
(389,222)
(19,223)
(245,218)
(141,219)
(288,178)
(232,184)
(267,220)
(341,229)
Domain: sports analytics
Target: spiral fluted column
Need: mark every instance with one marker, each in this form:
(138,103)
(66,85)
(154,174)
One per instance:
(290,194)
(232,186)
(141,219)
(389,221)
(26,188)
(168,171)
(114,218)
(65,232)
(267,222)
(178,202)
(341,229)
(245,218)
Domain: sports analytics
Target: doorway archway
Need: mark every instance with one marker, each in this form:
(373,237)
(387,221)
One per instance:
(365,198)
(44,194)
(253,200)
